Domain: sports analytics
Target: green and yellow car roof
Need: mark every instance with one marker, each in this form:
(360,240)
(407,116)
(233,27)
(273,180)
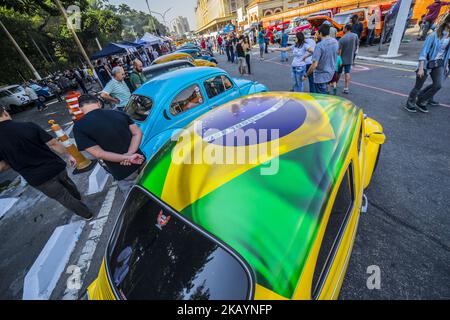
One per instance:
(271,220)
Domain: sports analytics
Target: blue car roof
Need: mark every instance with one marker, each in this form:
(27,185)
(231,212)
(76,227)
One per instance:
(170,81)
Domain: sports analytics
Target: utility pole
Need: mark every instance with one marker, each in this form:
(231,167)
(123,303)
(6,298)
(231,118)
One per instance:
(24,57)
(98,43)
(399,29)
(78,42)
(151,17)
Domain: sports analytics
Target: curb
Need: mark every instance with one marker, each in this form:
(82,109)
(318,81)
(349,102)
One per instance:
(391,61)
(6,204)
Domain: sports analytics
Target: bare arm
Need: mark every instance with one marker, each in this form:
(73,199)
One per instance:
(108,97)
(135,140)
(4,166)
(123,159)
(312,68)
(58,148)
(309,54)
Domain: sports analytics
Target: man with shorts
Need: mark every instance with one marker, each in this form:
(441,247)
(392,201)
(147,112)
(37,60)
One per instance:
(348,45)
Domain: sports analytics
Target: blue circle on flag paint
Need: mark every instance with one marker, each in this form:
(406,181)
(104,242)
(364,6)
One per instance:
(252,121)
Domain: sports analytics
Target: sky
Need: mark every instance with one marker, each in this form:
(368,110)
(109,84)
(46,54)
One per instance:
(183,8)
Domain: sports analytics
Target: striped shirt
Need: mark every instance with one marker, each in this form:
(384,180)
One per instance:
(118,90)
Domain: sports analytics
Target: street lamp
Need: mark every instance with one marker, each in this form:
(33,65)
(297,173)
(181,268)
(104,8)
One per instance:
(163,16)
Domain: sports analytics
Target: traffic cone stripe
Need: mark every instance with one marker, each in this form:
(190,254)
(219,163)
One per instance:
(72,100)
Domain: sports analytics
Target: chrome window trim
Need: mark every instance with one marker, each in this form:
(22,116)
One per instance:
(337,241)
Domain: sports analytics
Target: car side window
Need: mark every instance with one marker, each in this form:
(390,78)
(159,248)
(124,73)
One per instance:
(187,99)
(139,107)
(214,86)
(227,82)
(335,228)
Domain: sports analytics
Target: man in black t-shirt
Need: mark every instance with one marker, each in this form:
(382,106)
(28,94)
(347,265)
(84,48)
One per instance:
(27,149)
(110,136)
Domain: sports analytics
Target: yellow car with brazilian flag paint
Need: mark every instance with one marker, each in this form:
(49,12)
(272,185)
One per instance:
(184,56)
(259,198)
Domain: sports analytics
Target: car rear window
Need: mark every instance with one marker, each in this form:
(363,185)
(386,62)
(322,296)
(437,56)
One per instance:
(155,254)
(139,107)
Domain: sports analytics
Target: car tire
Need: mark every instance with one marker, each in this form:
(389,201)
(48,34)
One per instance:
(13,109)
(41,98)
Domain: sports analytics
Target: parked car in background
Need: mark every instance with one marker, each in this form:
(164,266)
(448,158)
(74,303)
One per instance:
(158,69)
(184,56)
(363,14)
(13,98)
(172,100)
(44,93)
(198,54)
(226,231)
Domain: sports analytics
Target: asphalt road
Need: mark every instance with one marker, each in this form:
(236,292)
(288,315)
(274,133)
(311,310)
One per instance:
(405,232)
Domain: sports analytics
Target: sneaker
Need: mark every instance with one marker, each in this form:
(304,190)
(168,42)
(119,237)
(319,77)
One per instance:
(346,91)
(433,103)
(410,107)
(422,108)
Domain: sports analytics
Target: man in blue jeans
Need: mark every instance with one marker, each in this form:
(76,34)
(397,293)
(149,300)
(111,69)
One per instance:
(324,60)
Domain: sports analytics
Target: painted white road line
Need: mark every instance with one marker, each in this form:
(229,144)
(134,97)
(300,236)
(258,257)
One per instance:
(43,276)
(53,102)
(6,204)
(97,180)
(84,261)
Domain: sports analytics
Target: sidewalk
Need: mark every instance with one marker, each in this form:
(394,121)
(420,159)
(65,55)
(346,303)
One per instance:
(409,50)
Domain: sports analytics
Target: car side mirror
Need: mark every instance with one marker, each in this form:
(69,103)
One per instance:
(377,138)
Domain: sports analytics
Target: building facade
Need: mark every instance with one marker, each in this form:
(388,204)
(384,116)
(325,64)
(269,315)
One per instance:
(213,15)
(180,25)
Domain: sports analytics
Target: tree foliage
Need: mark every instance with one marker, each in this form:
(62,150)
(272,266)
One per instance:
(40,30)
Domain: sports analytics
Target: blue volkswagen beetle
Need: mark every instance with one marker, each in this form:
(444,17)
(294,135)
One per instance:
(171,101)
(198,54)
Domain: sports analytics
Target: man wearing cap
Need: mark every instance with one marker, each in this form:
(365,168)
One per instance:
(30,151)
(117,91)
(110,136)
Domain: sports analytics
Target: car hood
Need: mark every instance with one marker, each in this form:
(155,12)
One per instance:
(319,20)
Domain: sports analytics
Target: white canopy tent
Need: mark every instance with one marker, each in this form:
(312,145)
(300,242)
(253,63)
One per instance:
(151,39)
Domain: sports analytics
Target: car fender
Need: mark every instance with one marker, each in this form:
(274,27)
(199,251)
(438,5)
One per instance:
(372,149)
(150,147)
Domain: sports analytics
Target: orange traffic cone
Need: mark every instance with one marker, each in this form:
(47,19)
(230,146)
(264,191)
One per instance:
(73,106)
(83,164)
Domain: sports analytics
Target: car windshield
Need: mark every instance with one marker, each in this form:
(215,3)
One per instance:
(154,254)
(343,18)
(17,89)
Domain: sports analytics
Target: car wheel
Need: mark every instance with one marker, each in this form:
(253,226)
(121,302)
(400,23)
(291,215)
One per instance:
(41,98)
(13,109)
